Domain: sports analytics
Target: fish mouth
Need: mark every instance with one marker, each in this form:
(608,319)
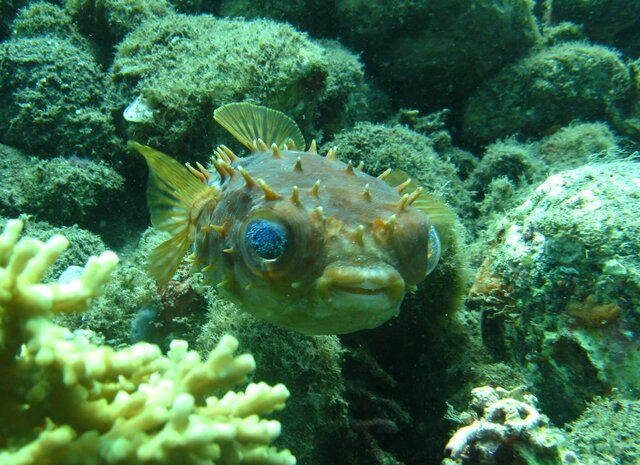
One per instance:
(378,289)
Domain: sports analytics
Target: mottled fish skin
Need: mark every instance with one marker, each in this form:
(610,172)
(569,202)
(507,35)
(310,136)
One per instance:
(349,265)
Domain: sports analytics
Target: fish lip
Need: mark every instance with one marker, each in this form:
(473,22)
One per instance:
(378,287)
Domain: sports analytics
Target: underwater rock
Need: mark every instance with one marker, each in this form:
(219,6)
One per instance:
(58,190)
(602,20)
(560,288)
(318,17)
(185,66)
(436,52)
(51,96)
(607,432)
(8,9)
(108,21)
(504,176)
(71,190)
(43,18)
(548,89)
(578,144)
(379,147)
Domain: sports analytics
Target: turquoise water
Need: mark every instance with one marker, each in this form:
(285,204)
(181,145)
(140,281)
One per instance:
(522,116)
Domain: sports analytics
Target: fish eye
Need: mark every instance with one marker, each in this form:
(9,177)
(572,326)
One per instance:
(435,250)
(267,238)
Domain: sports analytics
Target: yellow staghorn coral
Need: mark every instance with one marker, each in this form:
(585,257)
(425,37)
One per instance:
(65,400)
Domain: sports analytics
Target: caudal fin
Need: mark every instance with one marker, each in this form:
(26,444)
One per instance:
(175,199)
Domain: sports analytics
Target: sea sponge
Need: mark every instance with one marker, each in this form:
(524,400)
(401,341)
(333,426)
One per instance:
(64,398)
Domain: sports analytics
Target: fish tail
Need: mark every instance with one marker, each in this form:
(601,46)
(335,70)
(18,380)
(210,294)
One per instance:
(175,199)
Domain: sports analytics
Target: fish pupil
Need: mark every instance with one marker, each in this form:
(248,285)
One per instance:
(267,238)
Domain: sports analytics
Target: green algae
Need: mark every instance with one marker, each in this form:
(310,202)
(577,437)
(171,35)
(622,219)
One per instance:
(549,89)
(184,67)
(52,88)
(59,190)
(443,48)
(606,432)
(108,21)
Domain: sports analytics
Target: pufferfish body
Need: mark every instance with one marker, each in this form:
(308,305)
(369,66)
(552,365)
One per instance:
(306,242)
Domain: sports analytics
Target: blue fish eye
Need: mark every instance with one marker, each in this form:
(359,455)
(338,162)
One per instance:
(269,239)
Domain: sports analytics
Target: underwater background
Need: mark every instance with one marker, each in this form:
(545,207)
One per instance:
(522,347)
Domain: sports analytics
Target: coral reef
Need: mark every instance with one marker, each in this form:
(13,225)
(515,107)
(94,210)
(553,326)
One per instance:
(559,288)
(52,89)
(491,97)
(548,89)
(505,427)
(65,399)
(172,72)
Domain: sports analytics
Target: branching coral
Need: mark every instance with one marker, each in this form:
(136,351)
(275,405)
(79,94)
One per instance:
(507,425)
(64,400)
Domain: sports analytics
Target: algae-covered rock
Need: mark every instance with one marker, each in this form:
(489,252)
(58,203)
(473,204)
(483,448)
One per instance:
(578,144)
(43,18)
(318,17)
(606,432)
(436,51)
(51,97)
(546,90)
(62,191)
(560,290)
(602,20)
(503,177)
(172,72)
(8,9)
(108,21)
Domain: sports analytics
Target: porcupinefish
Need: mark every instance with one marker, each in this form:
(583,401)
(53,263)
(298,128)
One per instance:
(303,241)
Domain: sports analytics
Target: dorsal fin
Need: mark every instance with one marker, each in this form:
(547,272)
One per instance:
(440,215)
(248,123)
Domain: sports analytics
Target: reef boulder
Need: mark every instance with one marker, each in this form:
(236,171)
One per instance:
(560,291)
(547,90)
